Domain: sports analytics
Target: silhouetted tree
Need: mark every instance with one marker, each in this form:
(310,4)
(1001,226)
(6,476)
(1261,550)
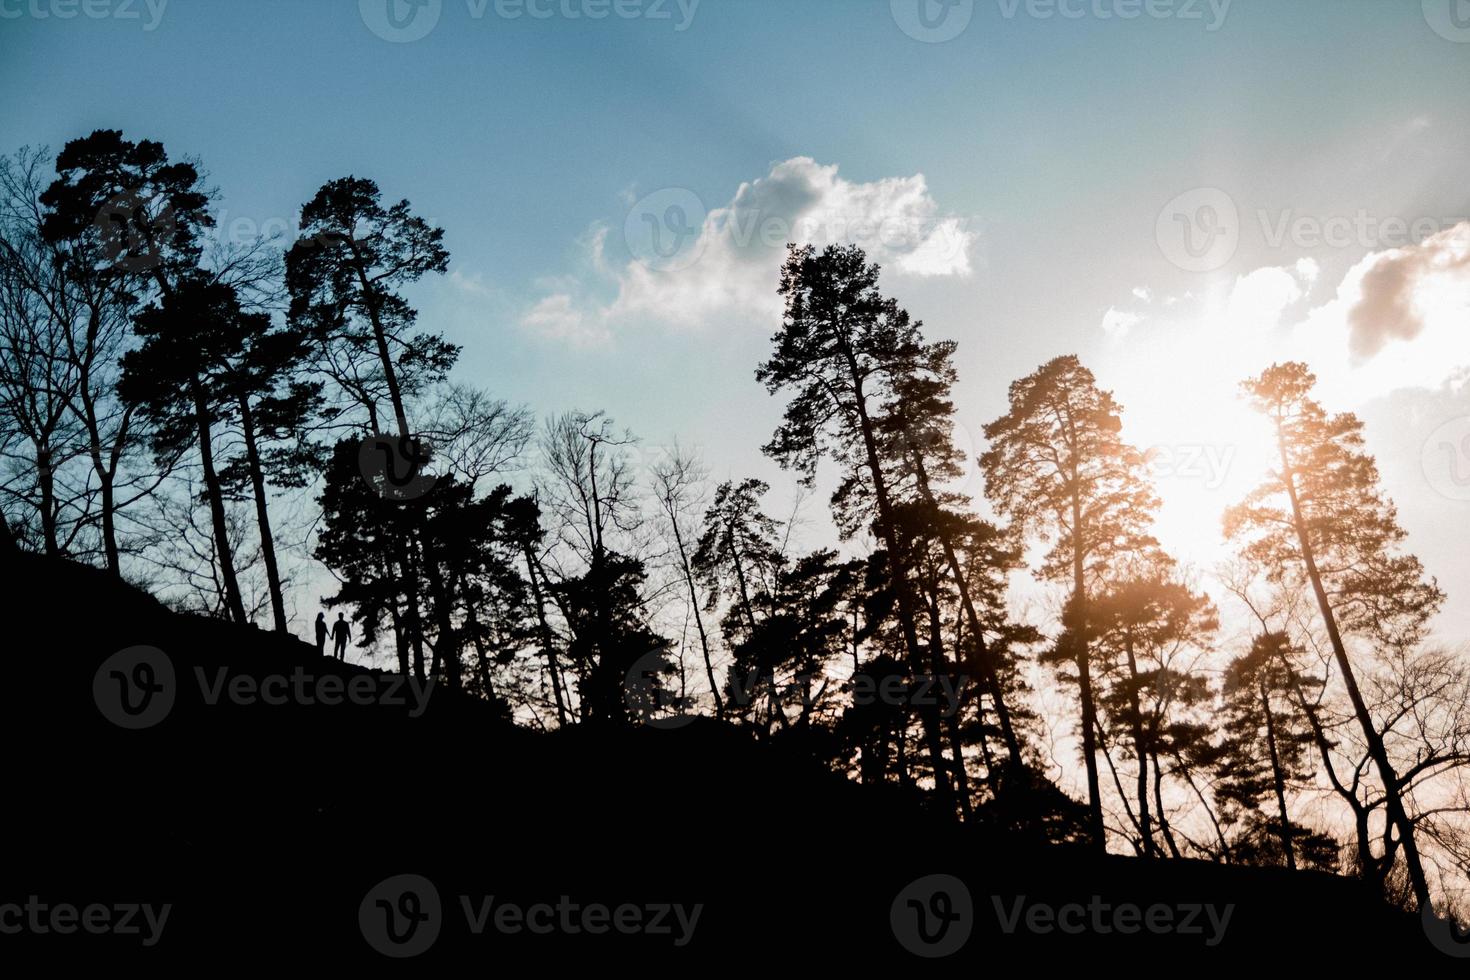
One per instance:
(178,375)
(588,489)
(274,406)
(361,532)
(344,275)
(1266,748)
(738,553)
(1139,628)
(678,479)
(121,224)
(39,380)
(1323,514)
(841,349)
(1058,466)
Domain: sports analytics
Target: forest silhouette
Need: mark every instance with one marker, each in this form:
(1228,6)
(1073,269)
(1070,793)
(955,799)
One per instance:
(809,732)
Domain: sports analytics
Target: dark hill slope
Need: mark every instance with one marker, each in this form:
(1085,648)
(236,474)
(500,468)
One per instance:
(266,826)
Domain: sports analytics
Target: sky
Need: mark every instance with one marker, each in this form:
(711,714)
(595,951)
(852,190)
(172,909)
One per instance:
(1178,191)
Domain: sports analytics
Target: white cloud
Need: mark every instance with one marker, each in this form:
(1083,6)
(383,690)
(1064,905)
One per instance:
(1258,300)
(1399,318)
(556,318)
(740,246)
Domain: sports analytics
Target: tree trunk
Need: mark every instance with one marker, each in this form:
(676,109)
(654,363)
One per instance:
(212,491)
(547,640)
(1084,683)
(897,566)
(1393,802)
(952,722)
(45,477)
(1140,749)
(262,514)
(1278,778)
(709,667)
(988,674)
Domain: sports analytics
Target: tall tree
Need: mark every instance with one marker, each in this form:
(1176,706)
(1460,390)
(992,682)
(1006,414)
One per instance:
(124,225)
(344,275)
(1265,751)
(917,423)
(589,493)
(39,381)
(124,209)
(177,376)
(1058,466)
(274,406)
(1139,626)
(1322,514)
(738,553)
(841,348)
(678,479)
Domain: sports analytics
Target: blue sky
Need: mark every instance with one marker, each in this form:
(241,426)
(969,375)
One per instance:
(1051,153)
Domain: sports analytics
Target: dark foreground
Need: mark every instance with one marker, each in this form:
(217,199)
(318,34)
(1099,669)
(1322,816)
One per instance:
(312,835)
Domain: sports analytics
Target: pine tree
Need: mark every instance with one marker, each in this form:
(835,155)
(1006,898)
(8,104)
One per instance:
(1059,467)
(1322,515)
(842,348)
(179,376)
(1140,628)
(1266,748)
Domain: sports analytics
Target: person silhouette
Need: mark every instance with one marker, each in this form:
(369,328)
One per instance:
(340,632)
(321,634)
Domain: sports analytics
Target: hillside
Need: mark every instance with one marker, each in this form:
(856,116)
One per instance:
(265,826)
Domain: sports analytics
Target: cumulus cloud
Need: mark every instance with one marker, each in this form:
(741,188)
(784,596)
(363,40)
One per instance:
(1391,286)
(1258,300)
(1397,319)
(557,318)
(729,256)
